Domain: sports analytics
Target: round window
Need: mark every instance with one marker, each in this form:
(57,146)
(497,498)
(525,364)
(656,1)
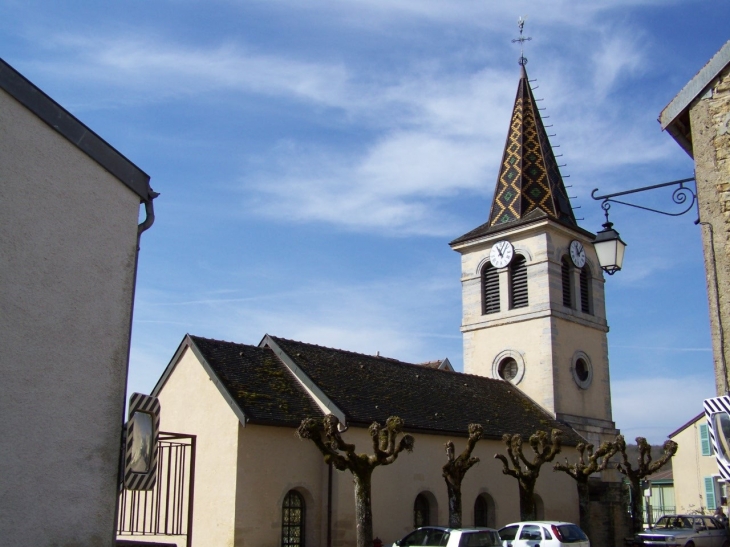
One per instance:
(581,370)
(508,369)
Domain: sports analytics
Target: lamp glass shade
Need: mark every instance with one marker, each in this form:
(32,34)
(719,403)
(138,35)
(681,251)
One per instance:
(610,250)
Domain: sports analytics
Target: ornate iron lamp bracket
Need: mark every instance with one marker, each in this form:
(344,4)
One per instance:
(680,196)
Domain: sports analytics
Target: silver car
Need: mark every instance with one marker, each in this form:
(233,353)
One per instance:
(684,531)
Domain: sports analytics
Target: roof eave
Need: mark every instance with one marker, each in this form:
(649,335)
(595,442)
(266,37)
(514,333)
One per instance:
(189,343)
(62,121)
(695,88)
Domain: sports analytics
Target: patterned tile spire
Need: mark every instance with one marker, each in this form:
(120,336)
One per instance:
(529,177)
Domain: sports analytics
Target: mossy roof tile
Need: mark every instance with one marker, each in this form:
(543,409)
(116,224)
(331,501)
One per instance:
(371,388)
(258,382)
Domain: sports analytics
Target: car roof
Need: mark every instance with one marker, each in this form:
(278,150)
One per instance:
(544,522)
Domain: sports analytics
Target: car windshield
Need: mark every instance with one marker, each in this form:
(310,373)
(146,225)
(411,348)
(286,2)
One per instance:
(674,523)
(482,538)
(433,537)
(571,533)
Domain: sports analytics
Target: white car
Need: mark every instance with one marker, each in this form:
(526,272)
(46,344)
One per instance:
(440,536)
(546,533)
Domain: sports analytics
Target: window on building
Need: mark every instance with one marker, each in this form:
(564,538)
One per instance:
(710,493)
(484,511)
(490,289)
(508,369)
(581,370)
(292,520)
(518,282)
(705,442)
(585,289)
(565,271)
(421,511)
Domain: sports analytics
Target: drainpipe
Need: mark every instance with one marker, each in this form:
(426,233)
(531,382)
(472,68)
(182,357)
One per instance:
(149,220)
(329,505)
(716,296)
(145,225)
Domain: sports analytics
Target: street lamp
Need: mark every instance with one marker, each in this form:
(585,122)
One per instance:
(608,244)
(609,248)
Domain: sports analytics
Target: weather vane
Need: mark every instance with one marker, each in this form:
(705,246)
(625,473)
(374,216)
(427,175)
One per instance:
(522,40)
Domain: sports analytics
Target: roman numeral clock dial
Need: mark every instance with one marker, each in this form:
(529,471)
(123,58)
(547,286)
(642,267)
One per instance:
(501,254)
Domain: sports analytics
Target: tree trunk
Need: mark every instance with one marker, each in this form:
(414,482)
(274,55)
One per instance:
(637,517)
(528,511)
(454,504)
(584,500)
(363,508)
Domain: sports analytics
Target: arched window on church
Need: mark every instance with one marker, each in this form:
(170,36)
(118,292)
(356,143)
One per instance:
(585,289)
(490,289)
(292,520)
(421,511)
(567,285)
(518,282)
(484,511)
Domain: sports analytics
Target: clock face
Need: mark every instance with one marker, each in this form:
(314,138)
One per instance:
(577,254)
(501,254)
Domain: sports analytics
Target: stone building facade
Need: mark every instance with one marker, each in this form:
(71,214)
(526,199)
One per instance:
(698,118)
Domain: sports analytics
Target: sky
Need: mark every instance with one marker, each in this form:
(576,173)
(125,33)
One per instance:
(315,158)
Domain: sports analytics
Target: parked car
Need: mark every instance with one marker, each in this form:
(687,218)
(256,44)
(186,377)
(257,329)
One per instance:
(440,536)
(684,531)
(546,533)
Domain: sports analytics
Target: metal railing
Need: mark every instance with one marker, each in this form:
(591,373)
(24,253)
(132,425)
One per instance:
(167,509)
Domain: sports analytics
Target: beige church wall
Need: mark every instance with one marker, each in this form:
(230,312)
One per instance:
(396,486)
(68,234)
(529,342)
(595,400)
(689,468)
(271,462)
(191,403)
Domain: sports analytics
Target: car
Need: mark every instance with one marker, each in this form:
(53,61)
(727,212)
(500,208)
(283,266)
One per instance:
(545,533)
(440,536)
(684,531)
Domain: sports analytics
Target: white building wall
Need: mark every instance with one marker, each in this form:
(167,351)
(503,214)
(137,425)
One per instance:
(68,234)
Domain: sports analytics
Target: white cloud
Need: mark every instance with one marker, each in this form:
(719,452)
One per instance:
(619,54)
(641,409)
(158,70)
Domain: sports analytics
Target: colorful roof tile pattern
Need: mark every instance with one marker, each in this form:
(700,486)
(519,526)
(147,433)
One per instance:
(529,177)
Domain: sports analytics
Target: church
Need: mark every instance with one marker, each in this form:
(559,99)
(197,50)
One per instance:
(535,358)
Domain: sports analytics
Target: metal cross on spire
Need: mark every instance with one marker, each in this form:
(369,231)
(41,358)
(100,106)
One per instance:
(522,40)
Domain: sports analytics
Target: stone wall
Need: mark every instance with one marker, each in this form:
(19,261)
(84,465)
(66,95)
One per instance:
(710,123)
(610,519)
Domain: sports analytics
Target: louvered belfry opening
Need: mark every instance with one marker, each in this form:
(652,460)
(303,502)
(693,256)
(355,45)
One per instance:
(490,289)
(585,293)
(518,282)
(565,276)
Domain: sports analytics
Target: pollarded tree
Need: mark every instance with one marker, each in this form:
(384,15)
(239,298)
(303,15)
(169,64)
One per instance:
(645,467)
(455,469)
(325,434)
(582,470)
(525,471)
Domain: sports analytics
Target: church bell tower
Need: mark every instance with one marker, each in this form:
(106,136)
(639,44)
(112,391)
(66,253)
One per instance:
(532,288)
